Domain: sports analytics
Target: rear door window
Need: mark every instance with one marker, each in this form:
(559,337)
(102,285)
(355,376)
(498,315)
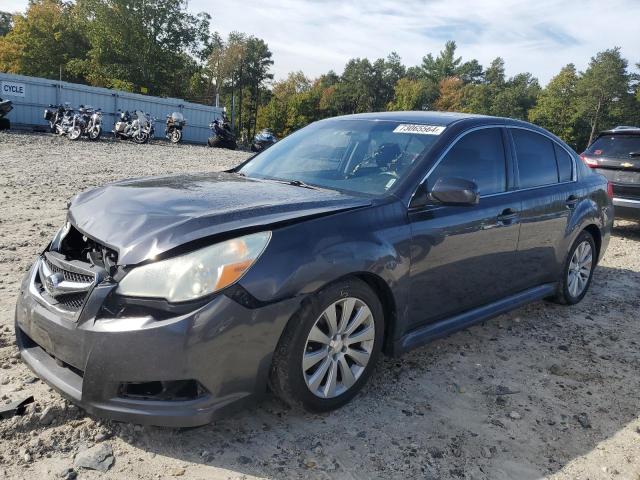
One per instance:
(565,164)
(479,156)
(615,146)
(536,159)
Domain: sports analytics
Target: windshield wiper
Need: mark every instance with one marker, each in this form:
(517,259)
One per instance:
(300,183)
(634,154)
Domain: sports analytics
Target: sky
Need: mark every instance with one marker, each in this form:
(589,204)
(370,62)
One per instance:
(539,36)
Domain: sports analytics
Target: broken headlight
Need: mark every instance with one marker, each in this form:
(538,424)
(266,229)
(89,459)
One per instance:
(196,274)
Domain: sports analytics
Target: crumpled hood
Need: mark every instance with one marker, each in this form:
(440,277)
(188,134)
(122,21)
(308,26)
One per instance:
(145,217)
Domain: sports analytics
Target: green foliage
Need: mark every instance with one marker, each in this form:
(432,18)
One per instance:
(238,69)
(603,91)
(557,107)
(43,41)
(144,45)
(158,47)
(410,94)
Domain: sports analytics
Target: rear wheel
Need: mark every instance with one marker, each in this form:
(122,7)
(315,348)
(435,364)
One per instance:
(329,348)
(578,270)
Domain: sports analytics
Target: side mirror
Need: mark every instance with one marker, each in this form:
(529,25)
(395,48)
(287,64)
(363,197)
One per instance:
(455,191)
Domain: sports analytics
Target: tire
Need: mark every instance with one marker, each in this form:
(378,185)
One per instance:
(214,142)
(571,293)
(175,136)
(294,383)
(141,138)
(74,133)
(5,124)
(95,133)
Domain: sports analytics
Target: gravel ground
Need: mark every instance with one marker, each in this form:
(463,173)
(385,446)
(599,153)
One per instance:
(546,391)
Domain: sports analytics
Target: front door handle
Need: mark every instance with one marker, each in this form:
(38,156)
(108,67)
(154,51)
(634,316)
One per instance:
(508,216)
(571,202)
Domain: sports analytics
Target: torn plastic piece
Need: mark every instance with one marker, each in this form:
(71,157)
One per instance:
(15,408)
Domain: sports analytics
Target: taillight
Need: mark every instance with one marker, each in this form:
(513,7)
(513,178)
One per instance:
(591,162)
(610,189)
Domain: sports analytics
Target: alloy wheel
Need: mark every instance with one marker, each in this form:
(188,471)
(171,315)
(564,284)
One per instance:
(338,348)
(580,268)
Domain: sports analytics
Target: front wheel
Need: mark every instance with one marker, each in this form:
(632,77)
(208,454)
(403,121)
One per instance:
(74,133)
(329,348)
(141,137)
(95,132)
(175,135)
(578,270)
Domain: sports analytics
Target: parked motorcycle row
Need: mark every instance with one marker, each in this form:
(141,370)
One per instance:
(137,126)
(64,120)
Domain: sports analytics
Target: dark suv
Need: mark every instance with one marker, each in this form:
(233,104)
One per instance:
(616,155)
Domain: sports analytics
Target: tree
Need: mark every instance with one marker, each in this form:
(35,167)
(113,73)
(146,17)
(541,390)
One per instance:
(43,41)
(239,69)
(150,46)
(294,103)
(410,94)
(451,95)
(556,108)
(443,66)
(517,97)
(386,73)
(602,88)
(258,63)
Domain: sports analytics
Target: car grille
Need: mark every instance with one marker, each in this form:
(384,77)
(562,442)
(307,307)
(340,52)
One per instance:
(72,302)
(68,275)
(64,284)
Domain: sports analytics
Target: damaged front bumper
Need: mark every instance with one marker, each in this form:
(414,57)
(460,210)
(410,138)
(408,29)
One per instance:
(184,370)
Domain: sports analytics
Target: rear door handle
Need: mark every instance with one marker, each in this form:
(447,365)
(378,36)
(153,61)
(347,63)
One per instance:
(571,202)
(508,216)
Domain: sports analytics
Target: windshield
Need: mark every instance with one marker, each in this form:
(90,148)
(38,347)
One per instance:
(363,156)
(620,146)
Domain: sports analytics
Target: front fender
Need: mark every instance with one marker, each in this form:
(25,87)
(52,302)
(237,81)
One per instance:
(303,258)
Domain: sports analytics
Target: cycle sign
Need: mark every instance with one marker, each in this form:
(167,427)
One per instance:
(12,89)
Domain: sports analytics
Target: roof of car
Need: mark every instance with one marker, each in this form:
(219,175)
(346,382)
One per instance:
(623,129)
(423,117)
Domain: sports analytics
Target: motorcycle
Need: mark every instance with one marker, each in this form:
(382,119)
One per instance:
(5,107)
(54,115)
(222,136)
(67,123)
(136,127)
(263,139)
(175,124)
(86,121)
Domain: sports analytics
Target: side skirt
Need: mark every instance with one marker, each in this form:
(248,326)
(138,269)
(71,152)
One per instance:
(422,335)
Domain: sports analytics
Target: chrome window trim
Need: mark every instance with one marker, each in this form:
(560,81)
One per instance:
(481,127)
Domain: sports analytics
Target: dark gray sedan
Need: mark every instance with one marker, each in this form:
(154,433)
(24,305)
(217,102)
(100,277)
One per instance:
(169,300)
